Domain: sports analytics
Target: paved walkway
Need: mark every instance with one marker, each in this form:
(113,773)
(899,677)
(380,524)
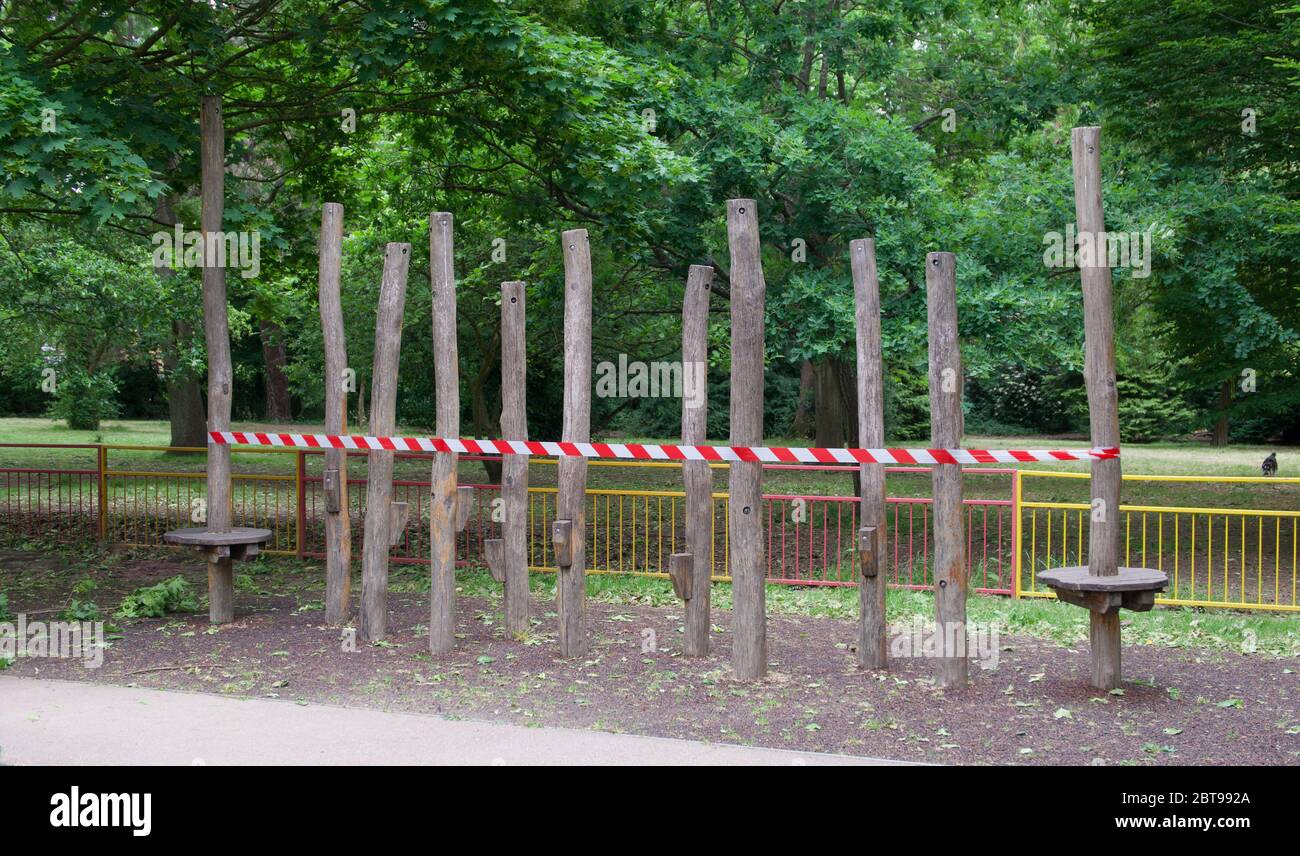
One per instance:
(68,722)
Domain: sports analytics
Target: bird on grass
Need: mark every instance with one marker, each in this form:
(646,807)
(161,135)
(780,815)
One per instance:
(1269,467)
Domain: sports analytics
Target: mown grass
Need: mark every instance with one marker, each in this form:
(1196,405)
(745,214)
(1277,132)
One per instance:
(1189,458)
(1269,634)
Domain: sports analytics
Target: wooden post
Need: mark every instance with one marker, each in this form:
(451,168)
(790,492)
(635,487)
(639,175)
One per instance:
(872,645)
(338,524)
(514,468)
(697,475)
(571,503)
(216,332)
(443,504)
(1103,399)
(946,383)
(379,463)
(744,508)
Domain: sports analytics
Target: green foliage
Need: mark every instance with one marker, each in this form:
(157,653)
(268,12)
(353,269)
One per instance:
(172,595)
(1152,407)
(1014,399)
(83,400)
(80,610)
(907,403)
(925,125)
(5,614)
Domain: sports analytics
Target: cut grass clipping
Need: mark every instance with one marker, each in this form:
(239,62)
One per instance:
(173,595)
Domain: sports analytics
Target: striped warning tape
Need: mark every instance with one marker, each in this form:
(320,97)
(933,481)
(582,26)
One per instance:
(664,452)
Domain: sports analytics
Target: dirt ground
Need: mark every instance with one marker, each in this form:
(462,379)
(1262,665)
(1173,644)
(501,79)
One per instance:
(1178,706)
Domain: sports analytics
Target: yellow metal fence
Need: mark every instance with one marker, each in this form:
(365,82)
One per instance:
(1243,558)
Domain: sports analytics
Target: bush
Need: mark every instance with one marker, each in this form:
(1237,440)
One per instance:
(173,595)
(907,403)
(5,614)
(1015,399)
(85,399)
(1152,405)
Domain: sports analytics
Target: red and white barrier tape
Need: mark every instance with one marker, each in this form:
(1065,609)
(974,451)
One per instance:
(665,452)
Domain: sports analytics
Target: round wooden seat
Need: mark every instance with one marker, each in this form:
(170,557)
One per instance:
(1132,588)
(240,543)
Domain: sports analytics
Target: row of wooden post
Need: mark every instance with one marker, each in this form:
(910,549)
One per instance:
(691,570)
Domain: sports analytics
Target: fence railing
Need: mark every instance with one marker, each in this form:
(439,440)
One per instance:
(809,537)
(1244,558)
(1224,557)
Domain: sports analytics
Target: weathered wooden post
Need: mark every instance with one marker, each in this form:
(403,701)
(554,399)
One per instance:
(219,541)
(697,475)
(872,645)
(1103,587)
(569,533)
(338,524)
(946,382)
(443,511)
(744,510)
(1103,398)
(216,332)
(514,468)
(379,529)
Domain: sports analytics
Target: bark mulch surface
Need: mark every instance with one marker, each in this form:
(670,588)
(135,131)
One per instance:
(1178,706)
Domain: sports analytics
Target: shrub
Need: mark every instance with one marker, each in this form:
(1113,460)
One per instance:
(84,399)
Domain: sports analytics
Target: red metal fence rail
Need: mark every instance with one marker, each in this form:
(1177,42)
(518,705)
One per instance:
(809,537)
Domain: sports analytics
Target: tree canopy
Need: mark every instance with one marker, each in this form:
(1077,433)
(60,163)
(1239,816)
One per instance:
(925,124)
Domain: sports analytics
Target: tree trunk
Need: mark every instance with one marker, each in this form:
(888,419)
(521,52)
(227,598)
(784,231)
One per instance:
(362,424)
(800,425)
(836,402)
(484,424)
(1221,426)
(278,409)
(184,400)
(829,404)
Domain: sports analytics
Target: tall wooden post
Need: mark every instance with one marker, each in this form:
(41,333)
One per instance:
(1103,399)
(697,475)
(571,503)
(443,500)
(379,463)
(216,332)
(946,381)
(514,468)
(338,524)
(872,645)
(744,508)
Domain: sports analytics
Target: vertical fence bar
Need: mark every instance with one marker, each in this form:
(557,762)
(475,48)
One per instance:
(300,527)
(101,458)
(1016,532)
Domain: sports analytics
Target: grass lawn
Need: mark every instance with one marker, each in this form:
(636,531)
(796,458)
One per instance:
(1190,458)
